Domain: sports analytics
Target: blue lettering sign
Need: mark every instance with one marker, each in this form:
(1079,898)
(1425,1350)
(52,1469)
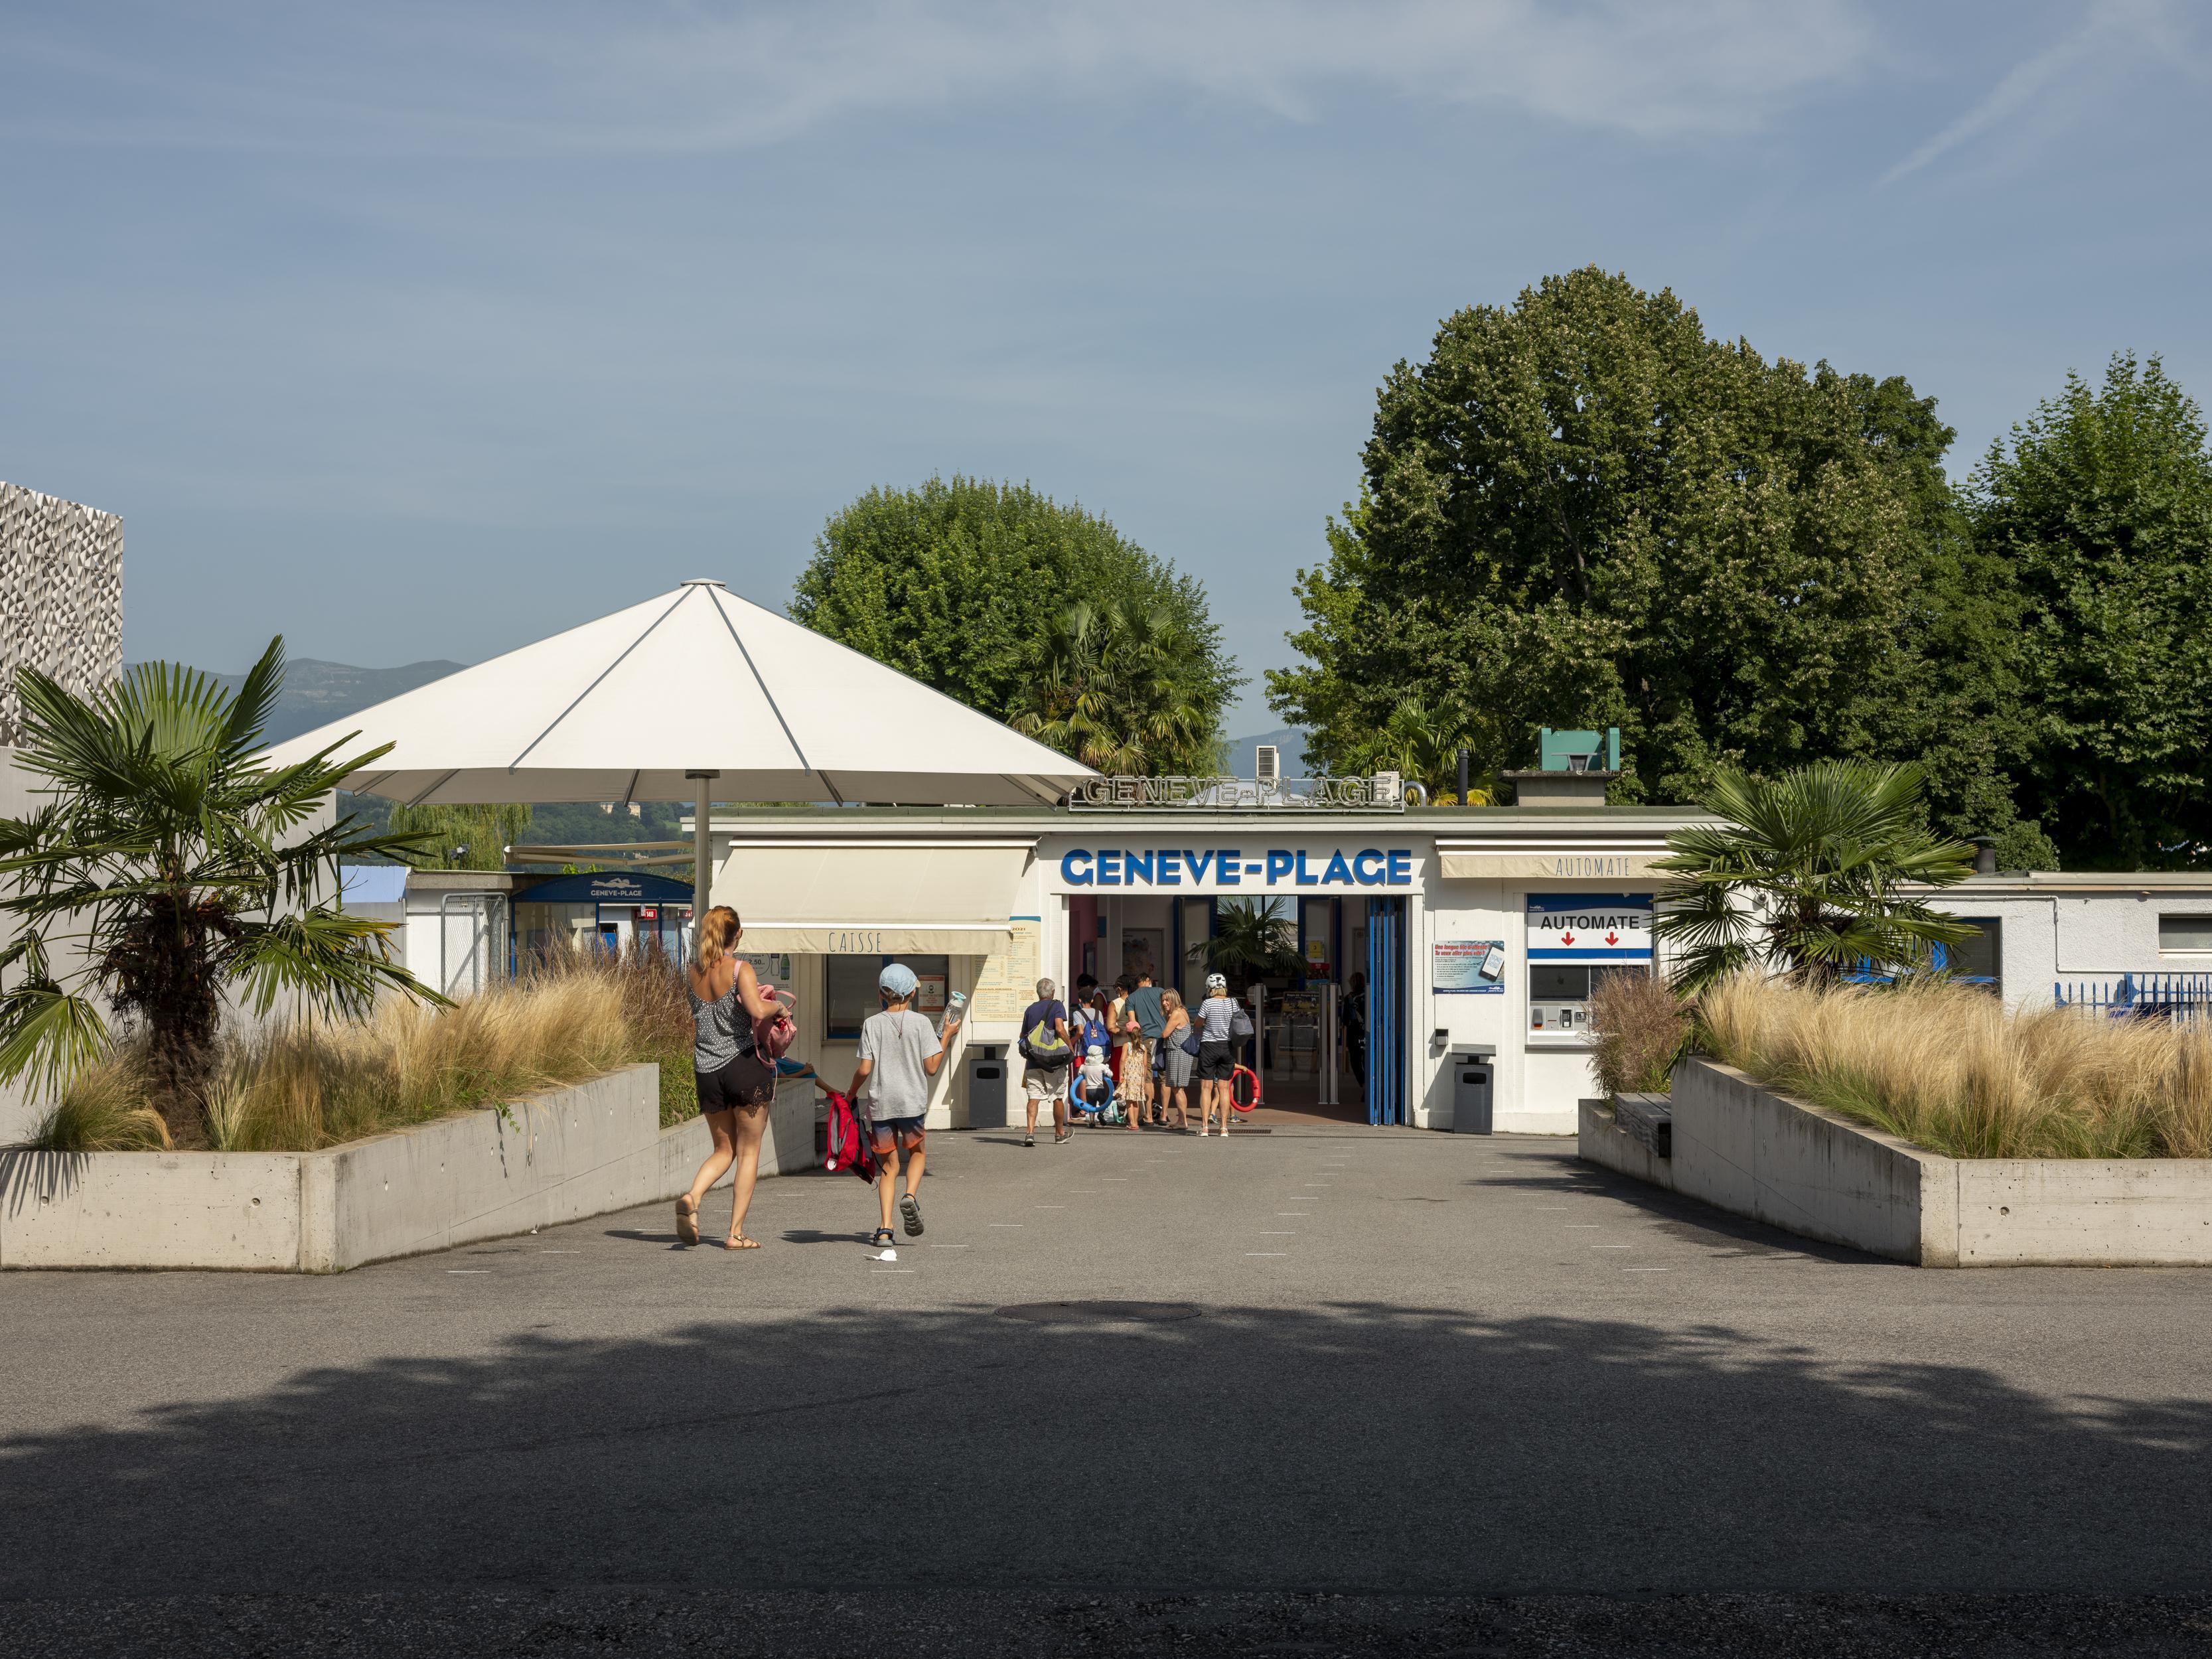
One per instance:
(1402,869)
(1170,868)
(1361,874)
(1068,872)
(1338,870)
(1197,862)
(1225,866)
(1278,865)
(1109,869)
(1137,864)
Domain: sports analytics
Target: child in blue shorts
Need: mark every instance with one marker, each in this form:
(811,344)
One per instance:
(900,1052)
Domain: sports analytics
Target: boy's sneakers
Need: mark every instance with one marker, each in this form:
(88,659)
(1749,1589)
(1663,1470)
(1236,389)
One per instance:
(912,1212)
(1029,1141)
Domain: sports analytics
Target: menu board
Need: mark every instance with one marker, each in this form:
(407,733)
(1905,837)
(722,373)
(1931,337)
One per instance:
(1007,983)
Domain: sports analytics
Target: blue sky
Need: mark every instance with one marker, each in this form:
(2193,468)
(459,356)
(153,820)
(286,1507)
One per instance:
(422,331)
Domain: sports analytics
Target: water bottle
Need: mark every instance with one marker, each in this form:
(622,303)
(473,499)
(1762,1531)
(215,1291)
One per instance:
(955,1006)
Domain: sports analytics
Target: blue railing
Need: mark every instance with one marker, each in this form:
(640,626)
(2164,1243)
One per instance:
(2145,996)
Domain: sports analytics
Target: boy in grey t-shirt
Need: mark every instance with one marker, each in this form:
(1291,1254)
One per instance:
(900,1052)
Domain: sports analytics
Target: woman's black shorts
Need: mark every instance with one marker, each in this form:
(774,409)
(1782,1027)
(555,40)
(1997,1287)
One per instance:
(1216,1061)
(748,1080)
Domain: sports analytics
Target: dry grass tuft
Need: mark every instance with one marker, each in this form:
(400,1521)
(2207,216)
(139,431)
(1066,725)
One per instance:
(1948,1068)
(1642,1029)
(104,1109)
(301,1087)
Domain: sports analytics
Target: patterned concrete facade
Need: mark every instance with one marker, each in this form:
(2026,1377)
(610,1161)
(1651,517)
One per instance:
(61,595)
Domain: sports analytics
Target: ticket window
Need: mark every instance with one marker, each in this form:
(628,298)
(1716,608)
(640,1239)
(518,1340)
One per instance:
(1560,994)
(853,991)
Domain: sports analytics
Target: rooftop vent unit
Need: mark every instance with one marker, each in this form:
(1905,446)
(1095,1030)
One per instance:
(1267,766)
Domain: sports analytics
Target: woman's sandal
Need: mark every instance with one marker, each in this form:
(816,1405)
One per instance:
(687,1220)
(883,1235)
(741,1243)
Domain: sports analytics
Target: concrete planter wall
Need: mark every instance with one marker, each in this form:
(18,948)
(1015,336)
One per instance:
(1746,1149)
(570,1153)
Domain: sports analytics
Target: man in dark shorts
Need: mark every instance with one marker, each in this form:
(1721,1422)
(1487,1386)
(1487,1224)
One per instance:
(1043,1020)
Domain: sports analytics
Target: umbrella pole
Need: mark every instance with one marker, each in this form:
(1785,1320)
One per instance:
(701,876)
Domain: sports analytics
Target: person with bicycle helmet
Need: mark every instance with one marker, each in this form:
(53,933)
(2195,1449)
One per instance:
(1217,1054)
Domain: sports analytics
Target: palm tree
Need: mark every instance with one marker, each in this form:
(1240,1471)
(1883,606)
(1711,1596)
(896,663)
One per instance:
(1805,876)
(1253,938)
(158,877)
(1421,743)
(1108,693)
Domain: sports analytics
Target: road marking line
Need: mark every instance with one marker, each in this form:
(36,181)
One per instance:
(1275,1232)
(1647,1270)
(1047,1207)
(468,1270)
(1612,1247)
(560,1253)
(1267,1252)
(1010,1223)
(890,1270)
(1294,1212)
(1584,1227)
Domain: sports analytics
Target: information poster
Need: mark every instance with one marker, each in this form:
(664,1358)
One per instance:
(1590,927)
(1007,983)
(1467,966)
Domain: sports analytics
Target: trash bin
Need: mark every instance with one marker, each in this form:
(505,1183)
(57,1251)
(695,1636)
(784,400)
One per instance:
(987,1087)
(1471,1078)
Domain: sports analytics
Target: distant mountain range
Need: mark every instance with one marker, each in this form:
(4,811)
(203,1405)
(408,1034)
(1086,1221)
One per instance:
(317,692)
(1243,752)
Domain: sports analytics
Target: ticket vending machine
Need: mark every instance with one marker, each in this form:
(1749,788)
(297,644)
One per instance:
(1473,1073)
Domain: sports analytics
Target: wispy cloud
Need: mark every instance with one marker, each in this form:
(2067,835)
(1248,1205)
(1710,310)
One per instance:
(581,77)
(2112,35)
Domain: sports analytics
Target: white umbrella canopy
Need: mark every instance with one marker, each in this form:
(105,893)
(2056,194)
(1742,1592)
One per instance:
(696,696)
(636,705)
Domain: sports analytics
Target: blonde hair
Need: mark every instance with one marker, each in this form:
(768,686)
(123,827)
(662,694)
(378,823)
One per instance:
(717,930)
(1170,1000)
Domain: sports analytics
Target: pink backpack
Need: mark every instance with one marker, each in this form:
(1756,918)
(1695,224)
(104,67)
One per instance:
(848,1147)
(775,1033)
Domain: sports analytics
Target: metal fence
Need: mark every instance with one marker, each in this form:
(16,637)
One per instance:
(2139,996)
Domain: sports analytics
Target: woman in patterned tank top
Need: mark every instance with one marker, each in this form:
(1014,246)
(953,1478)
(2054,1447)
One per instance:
(735,1084)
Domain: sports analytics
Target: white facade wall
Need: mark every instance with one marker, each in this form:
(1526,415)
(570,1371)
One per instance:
(2061,927)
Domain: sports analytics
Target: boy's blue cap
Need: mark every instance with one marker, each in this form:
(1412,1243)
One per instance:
(898,979)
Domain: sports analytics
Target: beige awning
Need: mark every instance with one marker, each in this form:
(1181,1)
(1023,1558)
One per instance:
(1581,858)
(846,898)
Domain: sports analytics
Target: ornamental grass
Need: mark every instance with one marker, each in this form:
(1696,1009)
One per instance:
(1948,1068)
(303,1086)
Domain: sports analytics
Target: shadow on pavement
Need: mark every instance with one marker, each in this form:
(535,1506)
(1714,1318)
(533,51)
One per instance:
(1354,1447)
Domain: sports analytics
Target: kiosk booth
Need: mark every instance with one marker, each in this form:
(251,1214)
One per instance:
(1438,950)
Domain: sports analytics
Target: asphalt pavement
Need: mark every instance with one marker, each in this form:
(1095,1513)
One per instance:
(1340,1390)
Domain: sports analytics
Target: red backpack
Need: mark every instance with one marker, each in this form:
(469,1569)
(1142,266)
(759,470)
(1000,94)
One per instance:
(775,1031)
(848,1143)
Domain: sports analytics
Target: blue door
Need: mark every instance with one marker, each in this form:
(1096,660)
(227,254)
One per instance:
(1385,1010)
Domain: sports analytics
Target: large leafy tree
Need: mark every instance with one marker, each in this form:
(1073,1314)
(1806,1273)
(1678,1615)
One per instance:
(166,872)
(1581,511)
(1809,874)
(2100,508)
(967,585)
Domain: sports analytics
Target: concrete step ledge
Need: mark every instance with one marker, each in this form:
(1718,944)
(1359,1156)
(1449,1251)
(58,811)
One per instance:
(1754,1152)
(589,1149)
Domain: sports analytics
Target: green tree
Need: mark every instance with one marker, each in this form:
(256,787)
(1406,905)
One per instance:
(1110,694)
(479,835)
(160,876)
(2099,507)
(1582,512)
(1806,875)
(966,585)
